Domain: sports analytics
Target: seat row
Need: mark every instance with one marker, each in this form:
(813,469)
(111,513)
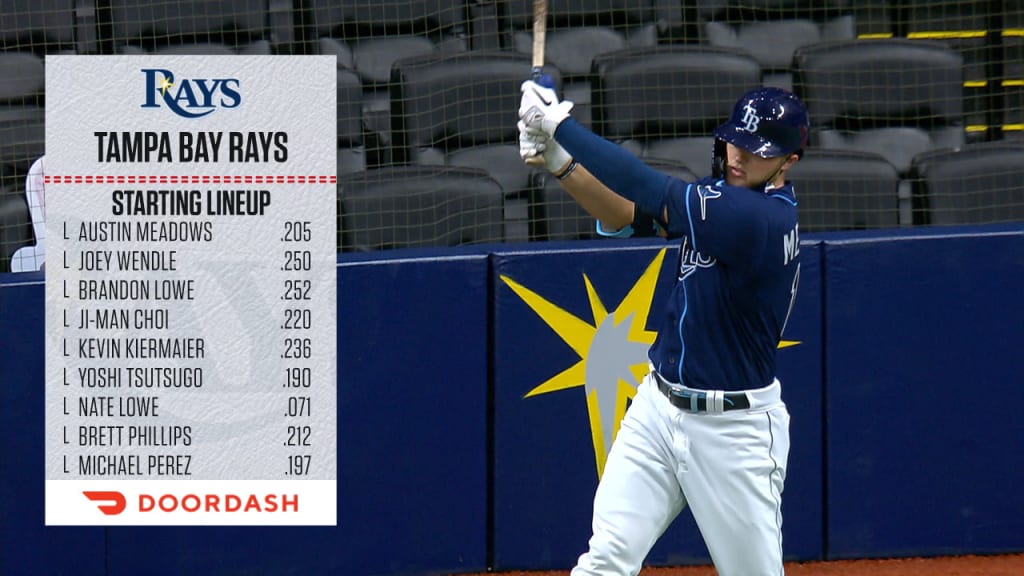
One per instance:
(413,206)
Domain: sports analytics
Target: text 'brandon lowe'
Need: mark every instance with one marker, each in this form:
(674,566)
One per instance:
(191,146)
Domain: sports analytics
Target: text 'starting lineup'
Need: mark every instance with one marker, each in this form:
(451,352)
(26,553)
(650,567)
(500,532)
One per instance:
(191,327)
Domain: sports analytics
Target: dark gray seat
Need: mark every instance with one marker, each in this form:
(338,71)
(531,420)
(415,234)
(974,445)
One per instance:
(1013,108)
(351,147)
(15,225)
(577,32)
(239,26)
(845,190)
(893,97)
(669,98)
(460,111)
(976,184)
(22,138)
(771,31)
(369,37)
(962,26)
(417,206)
(39,26)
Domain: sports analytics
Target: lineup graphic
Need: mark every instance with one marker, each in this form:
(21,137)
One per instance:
(191,291)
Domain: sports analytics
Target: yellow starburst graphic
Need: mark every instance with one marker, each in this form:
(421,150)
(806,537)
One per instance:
(612,351)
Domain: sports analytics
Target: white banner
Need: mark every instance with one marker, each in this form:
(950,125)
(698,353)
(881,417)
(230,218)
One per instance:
(191,285)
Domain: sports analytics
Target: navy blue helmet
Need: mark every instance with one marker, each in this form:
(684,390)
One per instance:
(769,122)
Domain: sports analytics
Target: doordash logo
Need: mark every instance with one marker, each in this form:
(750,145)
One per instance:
(118,501)
(113,503)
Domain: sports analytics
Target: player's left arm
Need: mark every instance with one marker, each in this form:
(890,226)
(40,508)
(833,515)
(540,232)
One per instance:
(607,168)
(613,212)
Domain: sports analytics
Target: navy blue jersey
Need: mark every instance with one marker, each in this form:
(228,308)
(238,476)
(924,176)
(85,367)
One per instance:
(737,273)
(736,280)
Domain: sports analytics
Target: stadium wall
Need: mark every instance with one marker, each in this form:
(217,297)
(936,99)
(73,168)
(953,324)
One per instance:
(465,441)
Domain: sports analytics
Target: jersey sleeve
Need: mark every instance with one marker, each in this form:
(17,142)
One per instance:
(723,222)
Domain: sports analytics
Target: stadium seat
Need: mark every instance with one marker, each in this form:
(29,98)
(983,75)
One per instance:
(351,149)
(22,138)
(39,26)
(15,225)
(845,190)
(874,18)
(372,36)
(556,216)
(416,206)
(894,97)
(979,183)
(578,31)
(155,27)
(460,110)
(771,30)
(23,76)
(22,116)
(963,26)
(1013,71)
(669,98)
(502,162)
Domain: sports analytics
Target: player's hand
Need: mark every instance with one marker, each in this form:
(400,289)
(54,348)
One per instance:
(537,149)
(540,109)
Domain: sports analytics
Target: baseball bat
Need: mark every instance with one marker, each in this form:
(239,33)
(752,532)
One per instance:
(540,28)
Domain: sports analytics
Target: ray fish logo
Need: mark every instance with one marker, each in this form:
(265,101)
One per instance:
(189,97)
(612,350)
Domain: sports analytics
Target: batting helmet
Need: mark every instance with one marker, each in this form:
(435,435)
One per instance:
(769,122)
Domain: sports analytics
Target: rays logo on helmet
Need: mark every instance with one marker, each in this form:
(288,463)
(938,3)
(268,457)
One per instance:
(750,118)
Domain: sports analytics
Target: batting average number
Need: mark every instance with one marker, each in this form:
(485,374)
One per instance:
(297,349)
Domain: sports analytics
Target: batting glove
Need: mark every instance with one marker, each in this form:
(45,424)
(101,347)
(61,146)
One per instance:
(537,149)
(540,109)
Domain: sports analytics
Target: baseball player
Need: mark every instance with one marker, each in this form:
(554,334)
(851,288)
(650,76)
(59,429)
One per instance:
(707,427)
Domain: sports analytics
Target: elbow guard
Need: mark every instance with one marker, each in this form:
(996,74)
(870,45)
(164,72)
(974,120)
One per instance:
(644,225)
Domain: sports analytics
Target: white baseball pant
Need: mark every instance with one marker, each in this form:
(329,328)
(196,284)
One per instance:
(729,467)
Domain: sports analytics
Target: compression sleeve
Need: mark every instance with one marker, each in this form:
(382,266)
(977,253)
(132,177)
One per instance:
(615,167)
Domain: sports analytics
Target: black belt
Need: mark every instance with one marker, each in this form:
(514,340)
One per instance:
(697,401)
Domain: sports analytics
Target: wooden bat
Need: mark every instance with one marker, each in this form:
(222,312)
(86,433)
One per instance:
(540,26)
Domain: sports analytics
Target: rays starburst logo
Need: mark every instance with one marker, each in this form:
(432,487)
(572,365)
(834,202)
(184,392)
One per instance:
(612,349)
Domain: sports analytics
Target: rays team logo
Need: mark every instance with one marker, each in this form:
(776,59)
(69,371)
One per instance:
(189,97)
(750,118)
(612,348)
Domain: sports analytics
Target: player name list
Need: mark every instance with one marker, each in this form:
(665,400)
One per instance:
(196,338)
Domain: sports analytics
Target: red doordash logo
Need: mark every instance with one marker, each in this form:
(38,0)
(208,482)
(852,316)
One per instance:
(113,503)
(219,503)
(117,498)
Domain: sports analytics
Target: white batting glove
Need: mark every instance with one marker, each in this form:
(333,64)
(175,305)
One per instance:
(540,109)
(537,149)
